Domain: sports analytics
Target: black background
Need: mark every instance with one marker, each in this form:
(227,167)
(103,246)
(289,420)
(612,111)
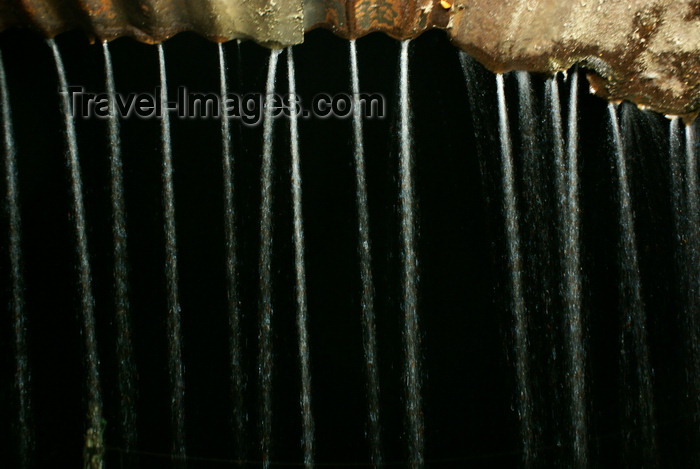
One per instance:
(468,362)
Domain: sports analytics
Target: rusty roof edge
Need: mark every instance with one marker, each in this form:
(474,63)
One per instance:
(645,51)
(272,23)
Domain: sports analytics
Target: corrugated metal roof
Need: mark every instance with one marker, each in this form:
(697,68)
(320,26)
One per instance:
(400,19)
(275,23)
(647,51)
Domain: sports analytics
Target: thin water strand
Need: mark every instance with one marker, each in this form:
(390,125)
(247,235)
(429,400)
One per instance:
(693,259)
(539,256)
(175,365)
(242,147)
(304,360)
(536,202)
(679,199)
(233,301)
(94,445)
(687,262)
(239,63)
(639,410)
(409,260)
(25,437)
(484,134)
(265,359)
(515,267)
(126,368)
(691,171)
(369,335)
(567,177)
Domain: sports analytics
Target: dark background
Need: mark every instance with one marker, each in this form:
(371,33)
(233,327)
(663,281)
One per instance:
(468,361)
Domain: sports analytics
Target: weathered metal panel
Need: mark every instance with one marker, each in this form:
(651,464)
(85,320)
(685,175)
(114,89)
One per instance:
(642,50)
(647,51)
(400,19)
(276,23)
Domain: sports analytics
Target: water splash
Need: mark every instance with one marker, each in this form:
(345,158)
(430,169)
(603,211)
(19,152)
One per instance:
(639,404)
(567,182)
(265,265)
(306,415)
(410,271)
(25,437)
(177,379)
(515,266)
(126,367)
(94,444)
(234,315)
(369,338)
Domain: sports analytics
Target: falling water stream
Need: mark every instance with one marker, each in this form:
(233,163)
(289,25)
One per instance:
(678,195)
(547,198)
(478,109)
(369,337)
(693,259)
(177,379)
(304,361)
(515,268)
(638,395)
(265,266)
(692,174)
(687,256)
(567,175)
(94,446)
(22,377)
(538,257)
(409,259)
(234,315)
(126,367)
(693,210)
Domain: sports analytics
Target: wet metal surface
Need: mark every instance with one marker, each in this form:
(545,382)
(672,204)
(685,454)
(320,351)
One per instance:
(642,50)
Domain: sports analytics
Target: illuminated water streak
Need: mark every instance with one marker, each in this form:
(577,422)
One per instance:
(234,315)
(639,403)
(94,445)
(567,179)
(126,367)
(265,359)
(25,437)
(368,322)
(304,361)
(515,267)
(176,368)
(537,233)
(685,209)
(409,260)
(693,261)
(478,106)
(693,210)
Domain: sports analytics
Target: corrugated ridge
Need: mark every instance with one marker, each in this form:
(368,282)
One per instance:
(275,23)
(646,51)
